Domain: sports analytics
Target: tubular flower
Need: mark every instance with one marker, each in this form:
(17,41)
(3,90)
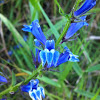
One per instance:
(35,92)
(89,4)
(48,56)
(67,55)
(3,79)
(74,27)
(35,29)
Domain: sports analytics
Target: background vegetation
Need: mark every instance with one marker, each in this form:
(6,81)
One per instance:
(74,81)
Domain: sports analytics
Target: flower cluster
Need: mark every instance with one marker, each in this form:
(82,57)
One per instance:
(35,92)
(48,56)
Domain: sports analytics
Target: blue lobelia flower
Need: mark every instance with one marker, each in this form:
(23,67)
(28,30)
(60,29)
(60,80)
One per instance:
(67,55)
(89,4)
(27,28)
(35,29)
(3,79)
(35,92)
(74,27)
(48,56)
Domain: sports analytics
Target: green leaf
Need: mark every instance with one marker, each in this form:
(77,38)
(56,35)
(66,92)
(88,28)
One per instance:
(26,71)
(15,33)
(66,69)
(44,79)
(49,81)
(95,96)
(93,68)
(77,69)
(18,59)
(13,79)
(87,94)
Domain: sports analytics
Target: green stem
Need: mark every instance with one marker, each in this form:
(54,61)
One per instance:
(15,88)
(68,23)
(64,32)
(9,90)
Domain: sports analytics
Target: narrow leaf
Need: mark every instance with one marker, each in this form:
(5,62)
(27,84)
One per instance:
(87,94)
(13,79)
(93,68)
(77,69)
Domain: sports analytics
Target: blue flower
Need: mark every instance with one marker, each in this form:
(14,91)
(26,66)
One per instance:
(74,27)
(35,92)
(89,4)
(27,28)
(51,57)
(3,79)
(67,55)
(48,56)
(35,29)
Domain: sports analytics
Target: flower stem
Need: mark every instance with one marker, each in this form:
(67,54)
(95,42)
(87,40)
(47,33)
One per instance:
(68,22)
(15,88)
(64,31)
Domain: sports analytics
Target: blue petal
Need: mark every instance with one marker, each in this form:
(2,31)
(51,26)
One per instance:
(26,88)
(55,58)
(43,57)
(42,91)
(73,58)
(37,32)
(27,28)
(50,44)
(34,84)
(38,94)
(49,56)
(74,28)
(89,4)
(63,58)
(10,53)
(3,99)
(32,94)
(3,79)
